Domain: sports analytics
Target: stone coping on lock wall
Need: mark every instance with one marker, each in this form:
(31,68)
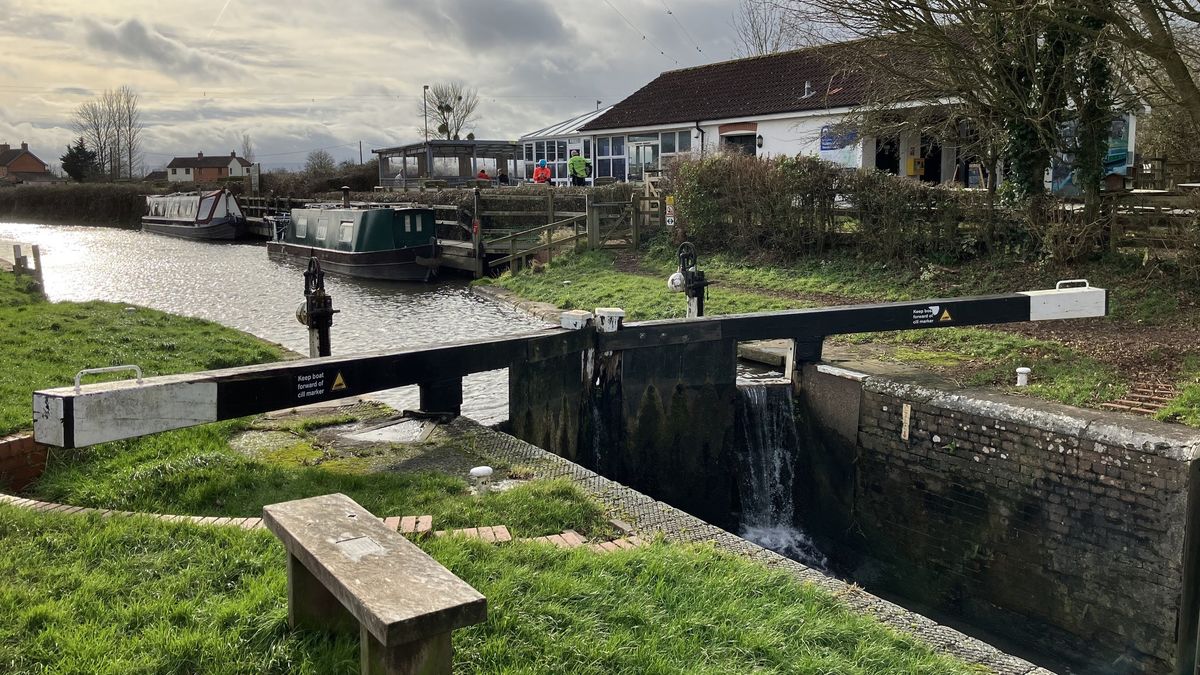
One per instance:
(1172,441)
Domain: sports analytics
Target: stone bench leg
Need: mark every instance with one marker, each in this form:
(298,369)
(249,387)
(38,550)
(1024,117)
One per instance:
(430,656)
(310,604)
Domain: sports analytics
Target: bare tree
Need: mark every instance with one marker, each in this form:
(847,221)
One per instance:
(999,64)
(112,126)
(95,125)
(130,118)
(451,109)
(763,27)
(247,148)
(319,163)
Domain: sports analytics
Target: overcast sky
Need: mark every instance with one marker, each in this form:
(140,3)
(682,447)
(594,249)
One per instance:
(304,74)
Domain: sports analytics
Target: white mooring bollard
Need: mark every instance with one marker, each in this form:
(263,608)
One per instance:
(482,476)
(1023,376)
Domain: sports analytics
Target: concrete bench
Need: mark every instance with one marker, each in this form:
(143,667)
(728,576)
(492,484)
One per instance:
(345,566)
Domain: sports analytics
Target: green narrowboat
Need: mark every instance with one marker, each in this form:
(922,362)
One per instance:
(371,242)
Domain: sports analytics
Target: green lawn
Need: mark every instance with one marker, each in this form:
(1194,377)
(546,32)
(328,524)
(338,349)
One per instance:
(90,595)
(590,280)
(194,471)
(44,344)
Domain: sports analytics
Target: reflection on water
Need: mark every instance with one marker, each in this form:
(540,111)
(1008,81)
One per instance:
(235,284)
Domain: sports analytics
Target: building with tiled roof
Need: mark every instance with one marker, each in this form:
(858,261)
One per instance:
(201,169)
(19,165)
(786,103)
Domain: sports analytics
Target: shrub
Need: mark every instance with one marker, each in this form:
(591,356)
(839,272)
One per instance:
(801,205)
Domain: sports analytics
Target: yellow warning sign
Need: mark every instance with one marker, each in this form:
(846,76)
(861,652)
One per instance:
(944,317)
(339,383)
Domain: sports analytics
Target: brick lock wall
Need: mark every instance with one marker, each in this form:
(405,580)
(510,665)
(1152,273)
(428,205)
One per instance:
(1064,531)
(22,461)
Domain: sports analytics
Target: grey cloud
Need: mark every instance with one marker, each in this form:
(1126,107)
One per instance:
(135,41)
(512,24)
(73,91)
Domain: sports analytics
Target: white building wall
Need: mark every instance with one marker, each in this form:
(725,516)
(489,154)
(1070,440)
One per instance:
(235,168)
(179,175)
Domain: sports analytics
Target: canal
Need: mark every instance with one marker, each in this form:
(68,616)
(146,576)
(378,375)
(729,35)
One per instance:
(234,284)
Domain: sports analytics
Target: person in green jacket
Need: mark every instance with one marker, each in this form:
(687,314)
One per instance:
(579,168)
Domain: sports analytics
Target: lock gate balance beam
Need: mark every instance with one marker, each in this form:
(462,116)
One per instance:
(80,416)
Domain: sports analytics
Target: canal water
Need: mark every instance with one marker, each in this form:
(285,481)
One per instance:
(234,284)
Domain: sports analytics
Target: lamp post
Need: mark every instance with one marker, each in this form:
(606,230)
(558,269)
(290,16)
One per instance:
(425,110)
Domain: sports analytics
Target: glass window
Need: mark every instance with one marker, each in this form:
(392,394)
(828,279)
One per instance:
(605,168)
(643,138)
(618,168)
(346,231)
(322,228)
(602,146)
(562,149)
(685,142)
(618,146)
(408,223)
(587,148)
(301,227)
(668,143)
(541,150)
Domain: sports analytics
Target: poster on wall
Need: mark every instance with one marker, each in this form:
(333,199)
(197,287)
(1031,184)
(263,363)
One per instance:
(1118,159)
(840,148)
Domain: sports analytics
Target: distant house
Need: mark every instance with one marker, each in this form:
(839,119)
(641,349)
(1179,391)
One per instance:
(156,176)
(201,168)
(19,165)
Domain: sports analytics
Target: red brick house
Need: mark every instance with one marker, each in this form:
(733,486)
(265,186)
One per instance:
(19,165)
(200,168)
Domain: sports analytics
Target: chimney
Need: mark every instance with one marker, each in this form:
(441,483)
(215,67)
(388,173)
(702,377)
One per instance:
(199,155)
(233,153)
(25,147)
(4,147)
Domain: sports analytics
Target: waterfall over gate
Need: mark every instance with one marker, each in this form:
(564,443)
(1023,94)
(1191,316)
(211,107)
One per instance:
(768,443)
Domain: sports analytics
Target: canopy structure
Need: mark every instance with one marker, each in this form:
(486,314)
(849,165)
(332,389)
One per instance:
(455,162)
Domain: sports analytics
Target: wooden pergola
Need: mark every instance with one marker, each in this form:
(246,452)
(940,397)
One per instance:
(410,164)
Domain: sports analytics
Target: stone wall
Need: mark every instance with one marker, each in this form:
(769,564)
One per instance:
(22,461)
(1056,527)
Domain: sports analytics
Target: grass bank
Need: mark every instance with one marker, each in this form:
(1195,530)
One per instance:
(45,344)
(196,471)
(131,595)
(972,356)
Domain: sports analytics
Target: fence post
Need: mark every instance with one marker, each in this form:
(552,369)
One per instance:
(37,262)
(636,221)
(593,222)
(550,206)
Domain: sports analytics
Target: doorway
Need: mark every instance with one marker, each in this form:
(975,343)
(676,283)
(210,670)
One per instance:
(642,157)
(887,155)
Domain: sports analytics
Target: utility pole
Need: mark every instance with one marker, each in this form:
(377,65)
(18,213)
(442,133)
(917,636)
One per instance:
(360,153)
(425,108)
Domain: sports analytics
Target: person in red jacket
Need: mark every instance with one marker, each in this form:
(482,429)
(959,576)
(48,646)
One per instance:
(483,175)
(542,173)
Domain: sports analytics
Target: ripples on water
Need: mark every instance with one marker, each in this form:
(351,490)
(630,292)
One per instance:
(235,284)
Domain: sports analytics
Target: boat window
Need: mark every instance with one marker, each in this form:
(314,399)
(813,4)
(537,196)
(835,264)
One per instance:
(407,223)
(206,205)
(417,220)
(346,233)
(301,227)
(322,228)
